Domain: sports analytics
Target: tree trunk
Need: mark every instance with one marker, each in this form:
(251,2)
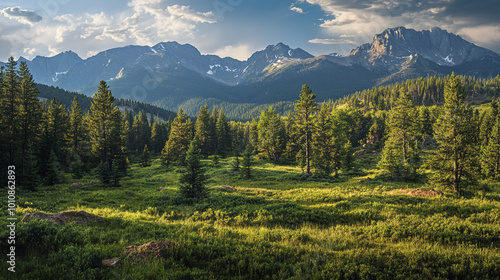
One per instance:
(456,178)
(308,168)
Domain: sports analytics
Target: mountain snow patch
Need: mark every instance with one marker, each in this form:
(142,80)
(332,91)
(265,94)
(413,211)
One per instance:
(449,60)
(56,77)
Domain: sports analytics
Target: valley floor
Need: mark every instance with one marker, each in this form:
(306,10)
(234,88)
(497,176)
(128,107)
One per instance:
(278,225)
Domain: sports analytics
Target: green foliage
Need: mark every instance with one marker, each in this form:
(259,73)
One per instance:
(246,165)
(203,131)
(400,155)
(179,139)
(455,163)
(304,110)
(271,138)
(145,157)
(105,127)
(193,178)
(323,144)
(490,158)
(54,173)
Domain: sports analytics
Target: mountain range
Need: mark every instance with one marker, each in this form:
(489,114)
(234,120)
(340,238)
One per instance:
(170,74)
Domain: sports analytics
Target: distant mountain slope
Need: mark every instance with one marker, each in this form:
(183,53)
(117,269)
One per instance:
(66,98)
(170,74)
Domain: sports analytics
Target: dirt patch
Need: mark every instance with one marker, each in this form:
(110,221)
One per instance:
(228,188)
(153,249)
(64,217)
(418,192)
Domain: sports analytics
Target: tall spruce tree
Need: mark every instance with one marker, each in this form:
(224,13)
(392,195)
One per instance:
(141,132)
(304,110)
(323,142)
(76,131)
(203,132)
(193,179)
(54,173)
(9,108)
(178,142)
(30,113)
(490,156)
(271,135)
(455,163)
(145,157)
(159,135)
(400,155)
(222,134)
(246,165)
(105,128)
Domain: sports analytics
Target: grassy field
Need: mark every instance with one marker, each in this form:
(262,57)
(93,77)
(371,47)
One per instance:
(278,225)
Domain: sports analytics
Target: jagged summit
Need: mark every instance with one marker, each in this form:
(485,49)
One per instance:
(172,73)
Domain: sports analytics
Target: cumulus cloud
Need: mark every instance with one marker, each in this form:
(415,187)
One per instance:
(363,19)
(239,51)
(296,9)
(22,16)
(144,22)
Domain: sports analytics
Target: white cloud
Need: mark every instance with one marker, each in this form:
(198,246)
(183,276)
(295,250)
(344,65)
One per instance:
(331,41)
(240,51)
(20,15)
(143,22)
(486,36)
(297,9)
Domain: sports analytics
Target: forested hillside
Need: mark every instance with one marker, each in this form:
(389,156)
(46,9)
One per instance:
(423,91)
(84,101)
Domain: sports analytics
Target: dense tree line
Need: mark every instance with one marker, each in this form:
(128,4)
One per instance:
(423,91)
(44,139)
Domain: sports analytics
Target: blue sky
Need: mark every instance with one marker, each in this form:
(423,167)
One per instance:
(234,28)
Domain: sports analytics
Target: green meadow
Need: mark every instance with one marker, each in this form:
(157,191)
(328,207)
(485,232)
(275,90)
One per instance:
(280,224)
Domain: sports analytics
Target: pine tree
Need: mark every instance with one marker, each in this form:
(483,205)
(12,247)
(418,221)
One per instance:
(104,172)
(30,113)
(141,132)
(246,165)
(105,127)
(213,128)
(9,108)
(304,110)
(271,135)
(202,131)
(236,162)
(178,141)
(222,134)
(76,165)
(292,147)
(54,173)
(323,145)
(193,178)
(31,179)
(490,158)
(455,163)
(159,135)
(347,158)
(342,156)
(400,152)
(76,131)
(54,134)
(145,157)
